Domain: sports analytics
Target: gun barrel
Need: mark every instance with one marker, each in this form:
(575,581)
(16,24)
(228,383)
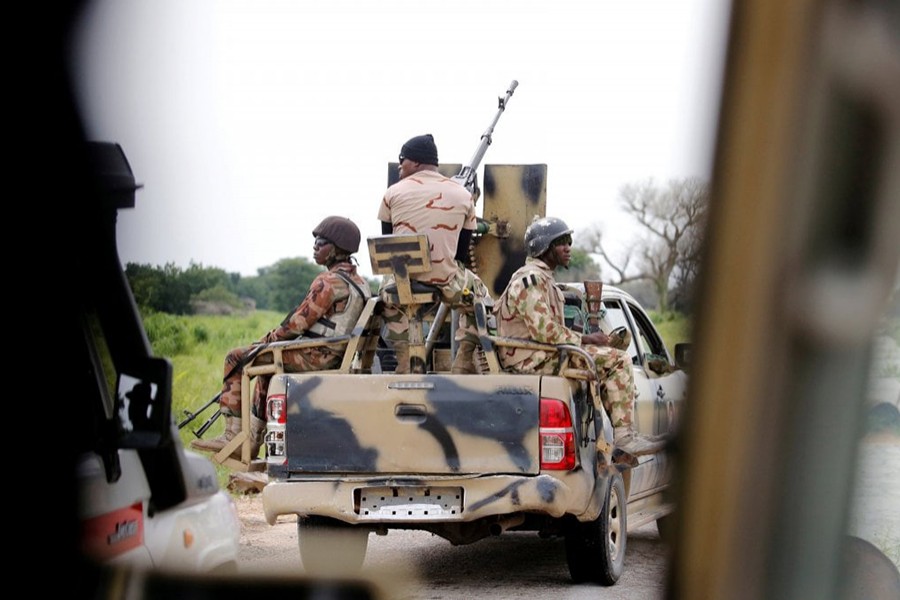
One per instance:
(467,173)
(190,416)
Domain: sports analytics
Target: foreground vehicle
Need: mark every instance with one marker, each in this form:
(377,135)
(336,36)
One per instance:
(143,500)
(468,456)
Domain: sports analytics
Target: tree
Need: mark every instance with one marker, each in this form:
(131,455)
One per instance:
(673,219)
(170,289)
(288,280)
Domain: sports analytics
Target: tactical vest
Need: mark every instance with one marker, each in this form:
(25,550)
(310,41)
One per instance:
(342,322)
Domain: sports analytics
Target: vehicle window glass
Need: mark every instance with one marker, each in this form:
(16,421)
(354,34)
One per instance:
(650,341)
(615,316)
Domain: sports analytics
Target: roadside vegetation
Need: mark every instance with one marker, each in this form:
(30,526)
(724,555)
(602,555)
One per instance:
(196,345)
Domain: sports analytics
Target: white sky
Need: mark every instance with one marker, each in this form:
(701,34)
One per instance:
(249,122)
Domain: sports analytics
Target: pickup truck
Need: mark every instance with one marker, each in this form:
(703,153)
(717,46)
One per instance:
(355,451)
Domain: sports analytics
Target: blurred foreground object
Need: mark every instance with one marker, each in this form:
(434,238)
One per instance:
(801,260)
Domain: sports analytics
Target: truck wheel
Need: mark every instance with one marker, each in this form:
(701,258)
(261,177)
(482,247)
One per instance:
(331,547)
(595,551)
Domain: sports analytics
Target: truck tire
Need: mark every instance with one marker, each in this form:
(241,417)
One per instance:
(595,551)
(331,547)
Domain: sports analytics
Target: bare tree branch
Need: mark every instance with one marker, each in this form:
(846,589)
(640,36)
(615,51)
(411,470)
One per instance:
(673,217)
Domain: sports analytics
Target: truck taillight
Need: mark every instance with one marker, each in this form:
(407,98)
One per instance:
(557,436)
(275,408)
(276,419)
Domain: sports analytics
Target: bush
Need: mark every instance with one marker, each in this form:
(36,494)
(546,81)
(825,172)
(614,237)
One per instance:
(168,334)
(216,301)
(201,334)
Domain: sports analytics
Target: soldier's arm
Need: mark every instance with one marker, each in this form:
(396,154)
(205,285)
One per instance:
(462,247)
(316,304)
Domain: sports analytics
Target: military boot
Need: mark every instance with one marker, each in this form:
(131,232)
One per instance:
(625,438)
(257,437)
(464,364)
(401,352)
(232,428)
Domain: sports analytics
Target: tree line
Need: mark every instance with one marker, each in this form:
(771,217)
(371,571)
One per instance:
(659,265)
(199,289)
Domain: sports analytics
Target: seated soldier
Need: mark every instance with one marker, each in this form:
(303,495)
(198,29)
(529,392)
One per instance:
(533,307)
(331,307)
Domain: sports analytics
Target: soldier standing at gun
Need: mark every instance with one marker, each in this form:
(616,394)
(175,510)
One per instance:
(331,307)
(424,201)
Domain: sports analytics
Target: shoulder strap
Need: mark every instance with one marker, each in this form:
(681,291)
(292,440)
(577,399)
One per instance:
(352,283)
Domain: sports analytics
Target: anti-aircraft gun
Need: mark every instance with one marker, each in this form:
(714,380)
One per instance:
(512,196)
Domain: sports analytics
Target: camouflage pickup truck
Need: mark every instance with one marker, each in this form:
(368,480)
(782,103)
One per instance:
(355,451)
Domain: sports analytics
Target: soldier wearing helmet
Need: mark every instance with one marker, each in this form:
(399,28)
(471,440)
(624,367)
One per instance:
(331,307)
(533,307)
(424,201)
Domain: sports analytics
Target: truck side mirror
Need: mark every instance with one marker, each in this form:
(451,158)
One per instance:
(683,355)
(144,404)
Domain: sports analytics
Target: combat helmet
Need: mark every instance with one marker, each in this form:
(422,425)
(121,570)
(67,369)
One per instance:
(541,233)
(341,231)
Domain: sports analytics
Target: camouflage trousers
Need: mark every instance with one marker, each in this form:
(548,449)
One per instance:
(295,361)
(459,293)
(616,378)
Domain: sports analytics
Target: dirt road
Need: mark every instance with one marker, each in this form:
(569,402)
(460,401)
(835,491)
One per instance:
(418,565)
(412,565)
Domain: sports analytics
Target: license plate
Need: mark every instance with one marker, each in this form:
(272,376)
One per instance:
(410,503)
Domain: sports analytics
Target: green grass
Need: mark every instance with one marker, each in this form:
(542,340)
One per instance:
(196,346)
(673,327)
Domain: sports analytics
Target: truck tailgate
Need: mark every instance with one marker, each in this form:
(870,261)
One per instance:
(412,424)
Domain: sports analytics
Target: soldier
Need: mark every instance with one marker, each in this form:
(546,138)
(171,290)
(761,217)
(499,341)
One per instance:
(533,307)
(424,201)
(331,307)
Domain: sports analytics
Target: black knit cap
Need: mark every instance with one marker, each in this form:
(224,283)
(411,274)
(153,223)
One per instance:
(421,149)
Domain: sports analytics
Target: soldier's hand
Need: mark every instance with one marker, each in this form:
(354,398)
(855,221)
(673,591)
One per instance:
(595,339)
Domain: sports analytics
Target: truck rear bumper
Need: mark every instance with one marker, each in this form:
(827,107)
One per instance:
(412,500)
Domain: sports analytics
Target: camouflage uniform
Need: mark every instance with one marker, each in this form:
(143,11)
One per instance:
(429,203)
(328,295)
(533,307)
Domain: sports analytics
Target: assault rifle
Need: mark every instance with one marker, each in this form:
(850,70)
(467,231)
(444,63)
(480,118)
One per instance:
(190,416)
(467,174)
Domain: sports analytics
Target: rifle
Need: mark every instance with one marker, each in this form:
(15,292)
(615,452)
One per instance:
(467,174)
(190,416)
(193,415)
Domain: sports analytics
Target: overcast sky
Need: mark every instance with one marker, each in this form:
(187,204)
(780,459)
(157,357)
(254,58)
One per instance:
(249,122)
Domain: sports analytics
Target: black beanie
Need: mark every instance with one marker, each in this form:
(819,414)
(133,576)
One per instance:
(421,149)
